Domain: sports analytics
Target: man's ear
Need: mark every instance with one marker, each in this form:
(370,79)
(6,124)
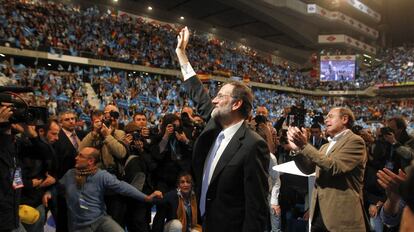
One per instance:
(237,104)
(345,119)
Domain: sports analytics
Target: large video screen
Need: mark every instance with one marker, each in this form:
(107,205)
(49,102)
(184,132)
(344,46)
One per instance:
(337,68)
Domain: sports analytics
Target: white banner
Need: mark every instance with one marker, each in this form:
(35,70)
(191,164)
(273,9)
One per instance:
(346,40)
(343,19)
(365,9)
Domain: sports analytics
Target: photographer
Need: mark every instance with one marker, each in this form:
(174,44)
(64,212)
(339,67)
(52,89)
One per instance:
(140,120)
(172,151)
(107,139)
(138,168)
(402,143)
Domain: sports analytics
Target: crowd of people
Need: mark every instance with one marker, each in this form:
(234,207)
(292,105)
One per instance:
(104,34)
(63,88)
(201,153)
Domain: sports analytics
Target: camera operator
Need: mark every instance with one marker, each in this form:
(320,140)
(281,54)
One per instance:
(108,140)
(138,168)
(18,176)
(11,178)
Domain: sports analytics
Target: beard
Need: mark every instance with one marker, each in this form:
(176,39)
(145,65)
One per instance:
(221,113)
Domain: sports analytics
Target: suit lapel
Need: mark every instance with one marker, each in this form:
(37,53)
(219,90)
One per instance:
(229,151)
(341,142)
(203,145)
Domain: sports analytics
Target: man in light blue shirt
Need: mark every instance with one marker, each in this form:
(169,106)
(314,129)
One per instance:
(84,188)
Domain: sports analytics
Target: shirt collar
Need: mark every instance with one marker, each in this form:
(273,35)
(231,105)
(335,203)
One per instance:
(231,130)
(338,136)
(68,133)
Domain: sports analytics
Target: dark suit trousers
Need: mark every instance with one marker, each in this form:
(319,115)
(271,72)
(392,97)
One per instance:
(317,223)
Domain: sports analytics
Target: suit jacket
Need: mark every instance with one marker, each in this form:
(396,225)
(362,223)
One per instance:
(237,195)
(65,154)
(339,182)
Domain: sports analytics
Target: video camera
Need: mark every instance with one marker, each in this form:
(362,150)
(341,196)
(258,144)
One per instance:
(22,112)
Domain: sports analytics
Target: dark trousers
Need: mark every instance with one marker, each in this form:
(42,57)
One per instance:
(317,223)
(138,216)
(61,217)
(115,207)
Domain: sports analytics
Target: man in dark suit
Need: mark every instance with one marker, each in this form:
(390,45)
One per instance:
(230,161)
(66,149)
(337,200)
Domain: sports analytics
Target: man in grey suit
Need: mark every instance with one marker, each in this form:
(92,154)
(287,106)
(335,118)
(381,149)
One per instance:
(337,203)
(230,161)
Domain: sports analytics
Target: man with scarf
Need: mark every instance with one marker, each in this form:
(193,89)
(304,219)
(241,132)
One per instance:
(85,186)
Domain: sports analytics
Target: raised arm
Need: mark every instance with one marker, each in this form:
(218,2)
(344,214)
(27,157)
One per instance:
(194,87)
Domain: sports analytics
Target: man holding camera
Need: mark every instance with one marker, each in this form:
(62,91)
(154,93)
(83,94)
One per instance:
(402,144)
(138,168)
(10,172)
(108,140)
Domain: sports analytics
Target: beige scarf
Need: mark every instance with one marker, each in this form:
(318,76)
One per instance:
(81,175)
(181,215)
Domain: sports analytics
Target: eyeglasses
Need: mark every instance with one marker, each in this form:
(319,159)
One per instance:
(221,96)
(83,156)
(69,119)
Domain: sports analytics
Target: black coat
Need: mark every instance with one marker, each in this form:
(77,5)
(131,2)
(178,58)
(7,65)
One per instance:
(9,198)
(65,153)
(237,195)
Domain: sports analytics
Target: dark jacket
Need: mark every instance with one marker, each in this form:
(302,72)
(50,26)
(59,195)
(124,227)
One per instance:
(236,198)
(9,198)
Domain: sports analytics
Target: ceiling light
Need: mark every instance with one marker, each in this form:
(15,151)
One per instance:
(2,55)
(49,64)
(149,8)
(182,17)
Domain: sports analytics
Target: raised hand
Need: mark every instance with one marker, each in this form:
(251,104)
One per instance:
(182,40)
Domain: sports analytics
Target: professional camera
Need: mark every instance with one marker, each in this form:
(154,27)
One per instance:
(178,129)
(22,112)
(136,134)
(296,116)
(386,131)
(198,128)
(113,115)
(259,119)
